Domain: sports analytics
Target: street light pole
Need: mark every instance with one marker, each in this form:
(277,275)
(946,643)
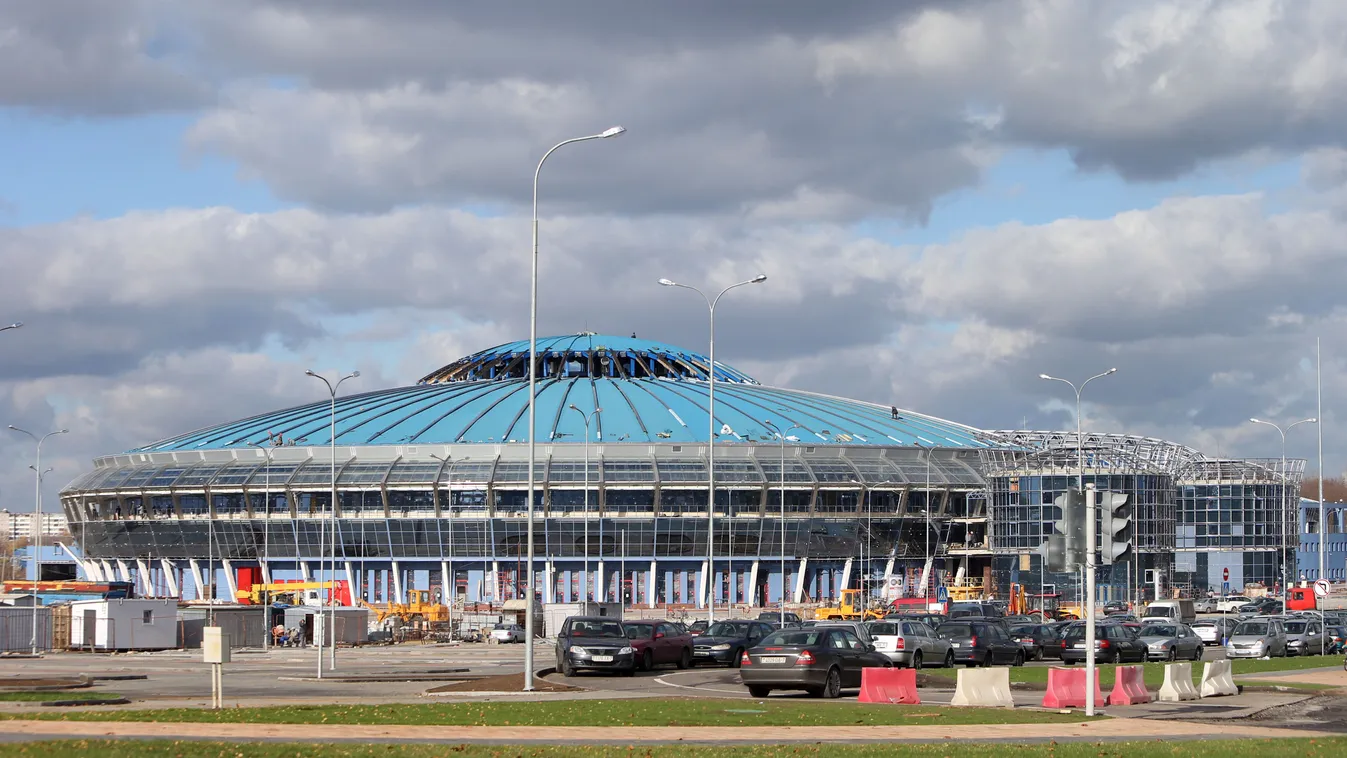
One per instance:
(711,442)
(781,435)
(1286,505)
(332,520)
(533,386)
(267,450)
(589,578)
(15,325)
(37,518)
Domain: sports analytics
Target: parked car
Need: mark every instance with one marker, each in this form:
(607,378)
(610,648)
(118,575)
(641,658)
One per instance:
(1261,606)
(932,620)
(908,642)
(1230,603)
(1170,642)
(1213,631)
(658,643)
(1256,638)
(1019,619)
(821,660)
(775,617)
(594,643)
(507,633)
(725,641)
(697,627)
(1113,643)
(859,628)
(974,608)
(981,643)
(1039,641)
(1305,637)
(1337,639)
(1204,605)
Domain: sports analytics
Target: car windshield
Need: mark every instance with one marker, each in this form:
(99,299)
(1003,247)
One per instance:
(597,629)
(792,637)
(640,631)
(955,630)
(881,629)
(1159,630)
(1159,610)
(727,629)
(1295,627)
(1251,628)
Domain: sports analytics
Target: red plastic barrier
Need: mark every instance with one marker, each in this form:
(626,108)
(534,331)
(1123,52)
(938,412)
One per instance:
(1066,688)
(889,686)
(1129,688)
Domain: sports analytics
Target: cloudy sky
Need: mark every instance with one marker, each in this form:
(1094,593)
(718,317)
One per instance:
(199,200)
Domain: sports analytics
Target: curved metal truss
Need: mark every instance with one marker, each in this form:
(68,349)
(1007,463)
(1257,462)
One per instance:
(1030,450)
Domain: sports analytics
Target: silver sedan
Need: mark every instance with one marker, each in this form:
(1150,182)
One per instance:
(1171,642)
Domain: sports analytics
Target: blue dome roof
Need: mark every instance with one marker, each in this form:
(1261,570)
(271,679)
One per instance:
(649,393)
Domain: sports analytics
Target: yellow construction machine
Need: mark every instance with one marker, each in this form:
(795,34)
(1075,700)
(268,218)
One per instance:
(849,608)
(417,608)
(293,593)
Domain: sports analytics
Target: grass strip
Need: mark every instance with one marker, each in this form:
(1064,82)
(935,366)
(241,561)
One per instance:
(631,712)
(1305,748)
(51,696)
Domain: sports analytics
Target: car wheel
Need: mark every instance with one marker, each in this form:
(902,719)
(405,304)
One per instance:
(1038,653)
(987,660)
(647,661)
(832,688)
(1197,653)
(685,659)
(759,692)
(736,658)
(949,660)
(1173,654)
(1019,659)
(567,669)
(916,660)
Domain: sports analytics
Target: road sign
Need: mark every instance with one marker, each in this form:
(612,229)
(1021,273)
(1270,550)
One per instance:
(1321,588)
(1225,588)
(941,594)
(1225,574)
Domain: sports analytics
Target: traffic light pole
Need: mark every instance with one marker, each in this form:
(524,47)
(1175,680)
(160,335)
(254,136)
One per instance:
(1091,673)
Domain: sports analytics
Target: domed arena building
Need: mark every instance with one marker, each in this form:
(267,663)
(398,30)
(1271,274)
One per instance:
(431,486)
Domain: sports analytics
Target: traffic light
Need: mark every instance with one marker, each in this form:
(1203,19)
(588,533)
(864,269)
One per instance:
(1115,526)
(1071,527)
(1053,551)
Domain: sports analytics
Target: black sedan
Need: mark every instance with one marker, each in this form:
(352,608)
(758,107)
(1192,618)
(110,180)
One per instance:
(981,643)
(594,644)
(821,661)
(1113,643)
(1038,640)
(724,642)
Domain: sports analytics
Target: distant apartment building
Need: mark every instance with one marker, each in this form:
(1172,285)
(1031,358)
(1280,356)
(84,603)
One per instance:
(19,526)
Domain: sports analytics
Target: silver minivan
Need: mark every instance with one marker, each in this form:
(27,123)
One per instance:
(1257,638)
(908,642)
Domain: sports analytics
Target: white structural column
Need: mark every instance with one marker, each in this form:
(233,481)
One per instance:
(751,597)
(846,576)
(549,584)
(265,566)
(193,567)
(351,582)
(799,581)
(493,582)
(92,570)
(446,583)
(888,570)
(701,586)
(143,574)
(305,572)
(650,599)
(170,577)
(399,595)
(601,583)
(231,580)
(926,575)
(123,571)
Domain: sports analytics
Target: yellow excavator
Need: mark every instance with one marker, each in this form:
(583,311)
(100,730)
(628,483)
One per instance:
(292,593)
(849,608)
(417,608)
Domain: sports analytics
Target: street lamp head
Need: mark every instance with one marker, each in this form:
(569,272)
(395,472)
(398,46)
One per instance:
(1311,420)
(668,282)
(1044,376)
(598,410)
(15,325)
(613,132)
(572,407)
(1256,421)
(1111,371)
(309,372)
(759,279)
(355,374)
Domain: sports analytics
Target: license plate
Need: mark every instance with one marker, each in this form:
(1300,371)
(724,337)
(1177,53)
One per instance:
(603,659)
(773,659)
(1079,646)
(955,644)
(701,652)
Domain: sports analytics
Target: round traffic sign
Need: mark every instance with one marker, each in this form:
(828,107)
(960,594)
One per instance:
(1321,588)
(1225,574)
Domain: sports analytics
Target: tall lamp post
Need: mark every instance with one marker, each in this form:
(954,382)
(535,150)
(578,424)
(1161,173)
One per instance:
(15,325)
(332,521)
(37,517)
(1286,504)
(711,441)
(267,450)
(533,386)
(781,435)
(1090,536)
(588,417)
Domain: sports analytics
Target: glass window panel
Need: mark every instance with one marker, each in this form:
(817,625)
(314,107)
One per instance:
(516,471)
(574,472)
(796,473)
(628,471)
(235,474)
(413,473)
(363,473)
(315,472)
(140,477)
(832,472)
(166,477)
(198,476)
(692,470)
(739,471)
(476,472)
(879,471)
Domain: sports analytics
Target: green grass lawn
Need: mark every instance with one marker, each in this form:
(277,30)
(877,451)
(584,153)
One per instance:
(46,697)
(1157,749)
(1155,672)
(642,712)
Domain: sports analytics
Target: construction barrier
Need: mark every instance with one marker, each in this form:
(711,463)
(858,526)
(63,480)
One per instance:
(1066,688)
(1129,687)
(1178,684)
(889,686)
(984,687)
(1217,679)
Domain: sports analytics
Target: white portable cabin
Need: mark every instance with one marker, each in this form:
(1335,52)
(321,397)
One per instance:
(128,624)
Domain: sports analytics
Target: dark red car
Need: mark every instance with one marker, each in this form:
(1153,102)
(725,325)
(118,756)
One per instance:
(659,642)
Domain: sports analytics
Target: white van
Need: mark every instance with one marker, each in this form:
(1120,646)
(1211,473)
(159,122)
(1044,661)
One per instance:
(1231,603)
(1173,611)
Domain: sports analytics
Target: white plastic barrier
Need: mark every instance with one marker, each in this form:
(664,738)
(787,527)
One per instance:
(1217,679)
(989,687)
(1178,684)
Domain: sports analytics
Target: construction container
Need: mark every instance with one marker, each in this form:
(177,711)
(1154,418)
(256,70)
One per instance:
(352,624)
(16,629)
(244,624)
(124,624)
